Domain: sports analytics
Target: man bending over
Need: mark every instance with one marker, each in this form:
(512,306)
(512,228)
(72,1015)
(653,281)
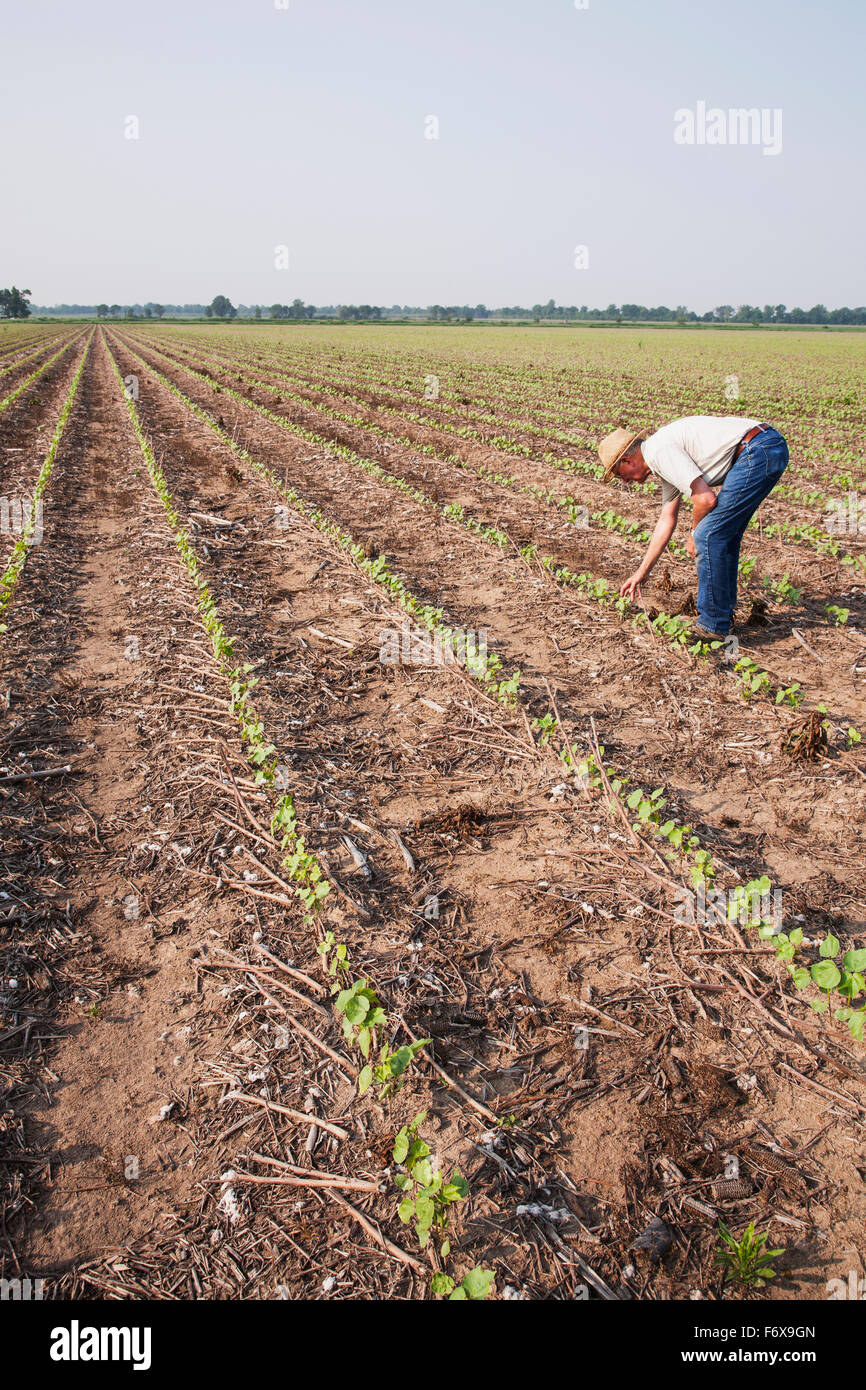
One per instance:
(743,459)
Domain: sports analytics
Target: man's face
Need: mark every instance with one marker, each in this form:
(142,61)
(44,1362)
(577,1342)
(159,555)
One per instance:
(631,467)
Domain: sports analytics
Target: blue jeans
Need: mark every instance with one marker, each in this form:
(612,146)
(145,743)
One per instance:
(718,535)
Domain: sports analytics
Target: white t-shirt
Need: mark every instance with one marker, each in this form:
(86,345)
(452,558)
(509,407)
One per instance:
(694,447)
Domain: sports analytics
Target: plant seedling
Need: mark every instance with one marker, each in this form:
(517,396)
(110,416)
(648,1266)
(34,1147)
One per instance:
(428,1197)
(476,1286)
(747,1260)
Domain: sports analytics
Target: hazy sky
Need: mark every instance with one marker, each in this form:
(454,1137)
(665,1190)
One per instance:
(305,126)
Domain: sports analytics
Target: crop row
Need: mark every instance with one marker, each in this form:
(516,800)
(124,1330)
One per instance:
(366,1025)
(27,357)
(34,376)
(18,556)
(23,341)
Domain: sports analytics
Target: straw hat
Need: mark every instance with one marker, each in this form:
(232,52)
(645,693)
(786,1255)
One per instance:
(612,448)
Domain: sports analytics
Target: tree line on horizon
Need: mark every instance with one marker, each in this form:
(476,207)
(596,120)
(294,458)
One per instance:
(14,304)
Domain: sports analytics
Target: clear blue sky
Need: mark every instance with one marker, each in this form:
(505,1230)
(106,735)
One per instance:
(305,126)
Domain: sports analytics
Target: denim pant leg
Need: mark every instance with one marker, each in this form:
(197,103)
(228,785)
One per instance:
(718,536)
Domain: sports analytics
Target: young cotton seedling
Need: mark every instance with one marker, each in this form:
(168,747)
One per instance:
(334,958)
(363,1016)
(752,679)
(300,866)
(388,1072)
(839,616)
(546,727)
(783,589)
(848,981)
(476,1286)
(428,1197)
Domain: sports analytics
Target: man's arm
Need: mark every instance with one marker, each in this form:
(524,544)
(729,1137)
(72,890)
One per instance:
(703,501)
(664,529)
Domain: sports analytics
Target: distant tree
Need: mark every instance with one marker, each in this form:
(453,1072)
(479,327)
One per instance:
(723,313)
(148,312)
(114,310)
(102,311)
(221,308)
(130,313)
(257,311)
(13,303)
(158,310)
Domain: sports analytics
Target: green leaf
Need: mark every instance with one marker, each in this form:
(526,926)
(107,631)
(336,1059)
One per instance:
(478,1283)
(365,1077)
(400,1060)
(422,1172)
(442,1284)
(854,960)
(825,974)
(459,1183)
(357,1008)
(829,947)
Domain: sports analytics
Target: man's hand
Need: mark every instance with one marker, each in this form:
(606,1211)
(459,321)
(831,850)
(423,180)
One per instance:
(664,529)
(690,545)
(632,585)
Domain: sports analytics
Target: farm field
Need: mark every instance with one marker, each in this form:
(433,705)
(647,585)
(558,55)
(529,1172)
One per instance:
(340,787)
